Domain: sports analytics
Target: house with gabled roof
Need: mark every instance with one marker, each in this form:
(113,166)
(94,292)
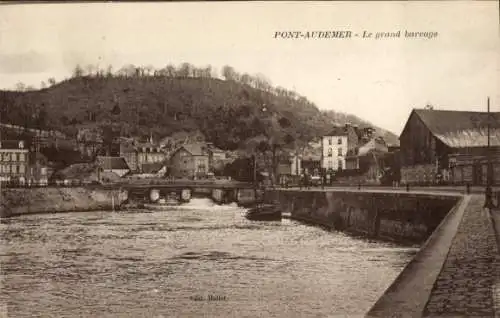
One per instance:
(189,161)
(116,165)
(139,154)
(450,146)
(336,145)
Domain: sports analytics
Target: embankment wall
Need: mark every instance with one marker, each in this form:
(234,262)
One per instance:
(395,216)
(49,200)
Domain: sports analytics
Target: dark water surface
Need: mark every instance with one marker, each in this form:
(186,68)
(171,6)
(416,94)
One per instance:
(197,260)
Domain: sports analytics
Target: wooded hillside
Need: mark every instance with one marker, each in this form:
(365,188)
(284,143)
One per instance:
(231,112)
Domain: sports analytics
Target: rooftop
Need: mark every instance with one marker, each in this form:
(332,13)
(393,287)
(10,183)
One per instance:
(460,129)
(338,131)
(195,149)
(13,144)
(152,167)
(109,163)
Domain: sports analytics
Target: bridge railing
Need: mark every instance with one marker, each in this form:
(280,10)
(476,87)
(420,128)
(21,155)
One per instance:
(182,182)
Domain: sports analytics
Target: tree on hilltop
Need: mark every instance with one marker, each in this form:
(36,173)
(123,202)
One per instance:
(229,73)
(78,71)
(20,86)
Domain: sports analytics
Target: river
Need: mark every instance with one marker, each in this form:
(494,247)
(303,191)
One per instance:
(197,260)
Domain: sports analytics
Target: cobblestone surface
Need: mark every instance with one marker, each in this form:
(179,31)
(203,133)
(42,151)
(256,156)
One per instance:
(466,284)
(496,290)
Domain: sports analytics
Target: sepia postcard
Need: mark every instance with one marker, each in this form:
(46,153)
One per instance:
(250,159)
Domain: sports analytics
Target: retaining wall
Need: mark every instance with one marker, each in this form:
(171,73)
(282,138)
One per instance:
(394,216)
(49,200)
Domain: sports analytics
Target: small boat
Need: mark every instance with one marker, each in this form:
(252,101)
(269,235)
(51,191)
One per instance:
(264,212)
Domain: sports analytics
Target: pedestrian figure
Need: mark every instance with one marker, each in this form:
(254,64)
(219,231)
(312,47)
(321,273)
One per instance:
(488,202)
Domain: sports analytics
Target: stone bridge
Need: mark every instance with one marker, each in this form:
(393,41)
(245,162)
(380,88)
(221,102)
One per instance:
(241,193)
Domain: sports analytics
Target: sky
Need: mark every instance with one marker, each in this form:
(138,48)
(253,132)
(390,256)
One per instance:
(379,80)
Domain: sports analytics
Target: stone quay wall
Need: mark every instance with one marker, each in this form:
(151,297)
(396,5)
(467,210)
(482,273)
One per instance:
(57,199)
(396,216)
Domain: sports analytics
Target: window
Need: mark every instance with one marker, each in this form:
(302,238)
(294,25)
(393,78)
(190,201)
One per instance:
(452,162)
(22,170)
(340,151)
(330,152)
(339,141)
(6,157)
(330,141)
(21,157)
(14,157)
(340,167)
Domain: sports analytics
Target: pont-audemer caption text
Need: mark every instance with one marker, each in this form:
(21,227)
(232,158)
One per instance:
(351,34)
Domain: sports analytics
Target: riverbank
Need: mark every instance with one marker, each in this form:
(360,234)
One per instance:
(15,202)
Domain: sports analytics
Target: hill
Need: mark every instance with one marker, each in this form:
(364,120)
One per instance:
(230,113)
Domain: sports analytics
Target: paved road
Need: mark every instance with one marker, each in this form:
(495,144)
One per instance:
(409,293)
(465,286)
(434,191)
(461,189)
(495,214)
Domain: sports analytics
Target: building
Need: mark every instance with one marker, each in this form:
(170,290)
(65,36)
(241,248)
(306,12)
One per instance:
(336,145)
(180,138)
(129,153)
(190,160)
(148,153)
(217,158)
(154,170)
(89,142)
(83,173)
(371,159)
(284,172)
(450,147)
(116,165)
(392,166)
(140,154)
(311,164)
(14,161)
(296,165)
(39,170)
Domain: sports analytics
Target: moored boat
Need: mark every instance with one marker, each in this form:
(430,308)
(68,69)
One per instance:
(264,212)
